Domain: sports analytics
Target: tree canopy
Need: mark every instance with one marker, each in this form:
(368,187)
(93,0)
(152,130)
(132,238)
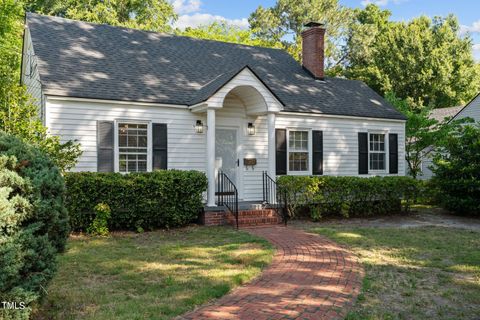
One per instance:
(424,135)
(423,60)
(457,171)
(222,31)
(152,15)
(18,111)
(284,23)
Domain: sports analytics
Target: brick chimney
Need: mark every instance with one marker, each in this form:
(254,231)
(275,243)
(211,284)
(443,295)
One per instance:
(313,49)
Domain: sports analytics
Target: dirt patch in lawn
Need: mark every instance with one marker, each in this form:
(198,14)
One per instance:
(419,217)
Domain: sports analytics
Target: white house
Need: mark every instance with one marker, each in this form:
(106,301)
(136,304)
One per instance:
(470,110)
(139,101)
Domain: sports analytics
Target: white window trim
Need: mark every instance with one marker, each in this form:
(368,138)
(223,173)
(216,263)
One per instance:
(387,160)
(310,157)
(149,142)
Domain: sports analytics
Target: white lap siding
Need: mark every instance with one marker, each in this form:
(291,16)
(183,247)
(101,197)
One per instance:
(340,139)
(77,120)
(472,110)
(30,75)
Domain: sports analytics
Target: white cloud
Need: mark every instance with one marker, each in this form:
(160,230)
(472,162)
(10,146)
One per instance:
(190,15)
(186,6)
(198,19)
(474,28)
(381,3)
(476,51)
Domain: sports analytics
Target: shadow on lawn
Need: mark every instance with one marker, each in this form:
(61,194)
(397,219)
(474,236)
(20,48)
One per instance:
(156,275)
(416,273)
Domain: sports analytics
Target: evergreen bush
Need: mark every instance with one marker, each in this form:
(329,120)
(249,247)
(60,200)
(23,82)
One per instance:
(33,224)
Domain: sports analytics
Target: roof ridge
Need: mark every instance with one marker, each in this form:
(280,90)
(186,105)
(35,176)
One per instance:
(151,32)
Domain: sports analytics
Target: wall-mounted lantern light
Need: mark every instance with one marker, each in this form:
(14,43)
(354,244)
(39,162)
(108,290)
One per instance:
(251,129)
(199,126)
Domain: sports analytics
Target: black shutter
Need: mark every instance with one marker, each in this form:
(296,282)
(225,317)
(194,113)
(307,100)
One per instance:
(393,152)
(317,149)
(159,145)
(105,155)
(281,151)
(362,153)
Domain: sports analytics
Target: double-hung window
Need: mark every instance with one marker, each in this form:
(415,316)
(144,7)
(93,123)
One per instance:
(298,151)
(377,153)
(133,151)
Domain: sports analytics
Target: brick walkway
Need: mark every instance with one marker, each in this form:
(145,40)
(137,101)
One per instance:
(310,277)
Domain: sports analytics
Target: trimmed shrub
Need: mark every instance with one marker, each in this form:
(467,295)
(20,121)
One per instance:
(347,196)
(33,224)
(99,225)
(457,171)
(164,198)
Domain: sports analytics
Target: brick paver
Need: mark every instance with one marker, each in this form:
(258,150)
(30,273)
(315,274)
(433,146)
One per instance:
(310,277)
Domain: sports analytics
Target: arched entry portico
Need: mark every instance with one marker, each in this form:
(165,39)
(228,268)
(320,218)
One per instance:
(228,143)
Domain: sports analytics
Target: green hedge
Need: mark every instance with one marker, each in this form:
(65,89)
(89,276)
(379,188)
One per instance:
(347,196)
(164,198)
(33,224)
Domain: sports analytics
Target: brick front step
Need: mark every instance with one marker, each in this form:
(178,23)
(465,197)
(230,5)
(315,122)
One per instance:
(245,218)
(257,213)
(254,218)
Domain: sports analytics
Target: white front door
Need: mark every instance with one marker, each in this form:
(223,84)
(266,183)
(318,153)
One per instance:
(226,154)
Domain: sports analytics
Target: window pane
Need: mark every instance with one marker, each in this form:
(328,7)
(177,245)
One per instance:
(377,161)
(142,166)
(381,161)
(298,161)
(142,141)
(132,166)
(298,150)
(122,140)
(133,142)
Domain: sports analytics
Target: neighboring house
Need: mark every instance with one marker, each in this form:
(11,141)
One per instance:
(471,110)
(440,115)
(139,101)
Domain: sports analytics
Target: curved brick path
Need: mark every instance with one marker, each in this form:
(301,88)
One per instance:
(310,277)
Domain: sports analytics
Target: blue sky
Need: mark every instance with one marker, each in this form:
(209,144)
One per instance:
(195,12)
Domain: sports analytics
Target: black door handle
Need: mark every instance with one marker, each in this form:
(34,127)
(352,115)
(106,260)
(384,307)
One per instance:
(238,162)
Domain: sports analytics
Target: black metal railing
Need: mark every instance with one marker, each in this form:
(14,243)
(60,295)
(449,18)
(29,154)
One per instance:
(274,198)
(227,194)
(269,189)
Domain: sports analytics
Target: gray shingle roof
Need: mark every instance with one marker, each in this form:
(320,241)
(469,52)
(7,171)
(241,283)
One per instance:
(79,59)
(441,113)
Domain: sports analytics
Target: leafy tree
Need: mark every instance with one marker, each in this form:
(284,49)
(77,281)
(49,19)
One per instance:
(457,170)
(423,60)
(284,23)
(222,31)
(152,15)
(18,111)
(423,134)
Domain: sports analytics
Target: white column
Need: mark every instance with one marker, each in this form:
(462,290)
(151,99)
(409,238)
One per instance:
(211,157)
(271,144)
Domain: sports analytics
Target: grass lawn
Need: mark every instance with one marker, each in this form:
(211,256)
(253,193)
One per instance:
(414,273)
(155,275)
